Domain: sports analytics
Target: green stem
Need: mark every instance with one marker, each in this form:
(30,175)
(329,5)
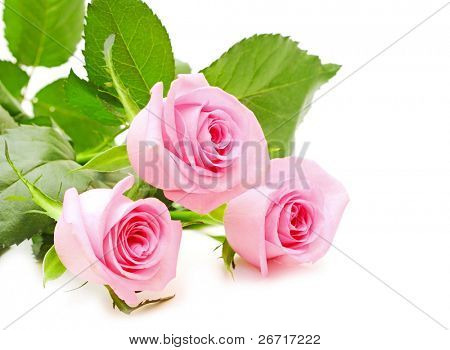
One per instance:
(52,207)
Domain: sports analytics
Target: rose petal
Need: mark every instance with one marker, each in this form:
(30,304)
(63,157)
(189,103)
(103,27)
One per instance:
(244,225)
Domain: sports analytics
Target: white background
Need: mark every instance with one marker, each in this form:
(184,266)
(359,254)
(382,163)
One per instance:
(384,132)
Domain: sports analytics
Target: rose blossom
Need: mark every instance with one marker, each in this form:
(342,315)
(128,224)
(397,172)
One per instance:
(200,144)
(294,217)
(106,238)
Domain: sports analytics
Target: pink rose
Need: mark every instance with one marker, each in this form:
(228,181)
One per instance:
(200,144)
(294,217)
(106,238)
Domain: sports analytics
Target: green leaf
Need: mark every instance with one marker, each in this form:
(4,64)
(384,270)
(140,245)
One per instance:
(3,250)
(85,132)
(41,243)
(6,121)
(218,238)
(122,306)
(10,103)
(218,213)
(228,256)
(16,198)
(12,81)
(159,194)
(275,79)
(52,266)
(13,78)
(140,190)
(111,179)
(188,218)
(39,121)
(85,97)
(43,32)
(113,159)
(181,67)
(45,159)
(142,54)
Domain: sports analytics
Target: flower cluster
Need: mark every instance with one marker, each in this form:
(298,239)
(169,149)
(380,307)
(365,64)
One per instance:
(191,144)
(123,160)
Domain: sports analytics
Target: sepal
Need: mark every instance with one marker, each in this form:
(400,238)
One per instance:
(125,308)
(52,266)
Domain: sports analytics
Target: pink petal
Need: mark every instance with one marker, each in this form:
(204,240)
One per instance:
(203,203)
(145,146)
(186,83)
(72,242)
(244,225)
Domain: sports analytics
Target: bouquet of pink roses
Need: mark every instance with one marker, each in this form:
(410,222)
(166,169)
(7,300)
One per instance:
(207,148)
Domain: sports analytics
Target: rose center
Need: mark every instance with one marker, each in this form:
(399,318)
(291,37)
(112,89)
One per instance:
(138,244)
(300,221)
(220,135)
